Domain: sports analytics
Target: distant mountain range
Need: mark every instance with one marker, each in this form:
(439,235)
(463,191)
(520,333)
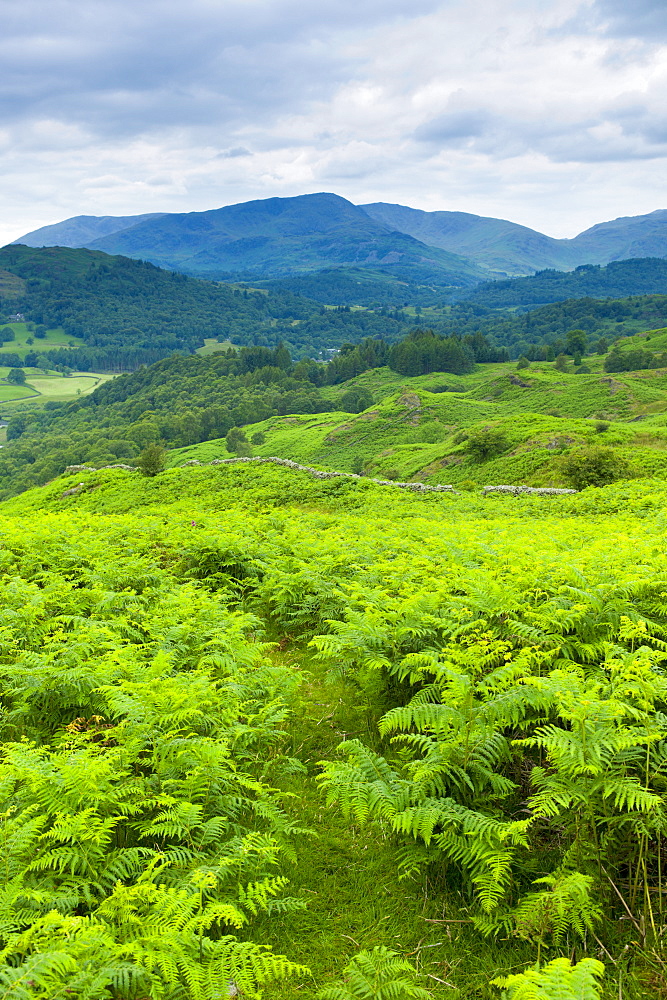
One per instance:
(272,237)
(502,246)
(289,236)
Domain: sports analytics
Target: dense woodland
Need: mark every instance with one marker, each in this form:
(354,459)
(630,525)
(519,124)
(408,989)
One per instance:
(130,313)
(617,280)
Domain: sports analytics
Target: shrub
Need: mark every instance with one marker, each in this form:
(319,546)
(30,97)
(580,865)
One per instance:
(237,443)
(594,466)
(355,400)
(523,362)
(16,376)
(258,438)
(486,443)
(152,459)
(601,426)
(628,361)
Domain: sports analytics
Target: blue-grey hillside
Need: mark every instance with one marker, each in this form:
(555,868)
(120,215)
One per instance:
(291,237)
(632,236)
(81,230)
(503,246)
(282,236)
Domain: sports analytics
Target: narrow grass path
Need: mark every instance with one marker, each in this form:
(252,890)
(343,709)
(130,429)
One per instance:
(350,878)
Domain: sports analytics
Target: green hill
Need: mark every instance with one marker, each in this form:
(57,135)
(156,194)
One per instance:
(284,236)
(246,709)
(123,313)
(645,276)
(471,423)
(363,286)
(421,429)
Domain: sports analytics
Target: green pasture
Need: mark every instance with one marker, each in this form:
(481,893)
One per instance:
(414,433)
(10,392)
(213,346)
(53,340)
(40,387)
(74,385)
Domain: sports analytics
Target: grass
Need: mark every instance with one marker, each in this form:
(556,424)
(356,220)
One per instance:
(63,388)
(212,346)
(40,388)
(11,392)
(412,432)
(53,340)
(349,878)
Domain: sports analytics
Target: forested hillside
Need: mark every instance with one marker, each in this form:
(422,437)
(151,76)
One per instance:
(128,313)
(131,313)
(548,326)
(184,400)
(384,735)
(620,278)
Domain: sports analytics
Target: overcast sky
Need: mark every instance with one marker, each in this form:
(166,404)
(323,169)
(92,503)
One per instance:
(551,113)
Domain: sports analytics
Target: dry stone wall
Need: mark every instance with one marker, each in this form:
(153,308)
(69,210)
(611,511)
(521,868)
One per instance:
(321,474)
(540,490)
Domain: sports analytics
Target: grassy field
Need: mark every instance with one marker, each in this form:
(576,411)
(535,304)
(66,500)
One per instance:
(41,387)
(212,346)
(53,340)
(418,428)
(79,383)
(11,392)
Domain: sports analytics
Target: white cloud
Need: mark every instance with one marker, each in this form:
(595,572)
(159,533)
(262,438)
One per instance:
(550,116)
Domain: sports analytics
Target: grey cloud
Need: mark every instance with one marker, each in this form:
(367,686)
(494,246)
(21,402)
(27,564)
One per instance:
(639,120)
(634,133)
(231,154)
(454,127)
(120,67)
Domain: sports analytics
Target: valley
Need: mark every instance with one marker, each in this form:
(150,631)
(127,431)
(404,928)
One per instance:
(347,724)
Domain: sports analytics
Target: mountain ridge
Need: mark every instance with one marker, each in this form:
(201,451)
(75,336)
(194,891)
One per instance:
(276,237)
(281,236)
